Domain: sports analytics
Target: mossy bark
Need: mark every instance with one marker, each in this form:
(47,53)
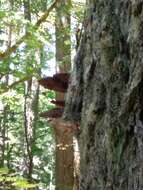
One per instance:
(106,96)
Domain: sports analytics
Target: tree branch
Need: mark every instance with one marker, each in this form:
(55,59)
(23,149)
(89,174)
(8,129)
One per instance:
(12,49)
(46,14)
(6,89)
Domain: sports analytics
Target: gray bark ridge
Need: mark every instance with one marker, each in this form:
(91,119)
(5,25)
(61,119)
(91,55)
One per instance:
(105,96)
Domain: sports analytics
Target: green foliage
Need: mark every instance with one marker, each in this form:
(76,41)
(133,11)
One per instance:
(2,14)
(9,180)
(78,11)
(42,149)
(28,61)
(23,183)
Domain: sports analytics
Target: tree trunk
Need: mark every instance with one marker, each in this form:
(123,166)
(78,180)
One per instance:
(64,155)
(4,147)
(105,96)
(30,122)
(64,139)
(63,36)
(31,96)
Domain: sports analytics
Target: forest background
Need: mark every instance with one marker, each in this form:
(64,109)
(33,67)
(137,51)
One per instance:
(27,53)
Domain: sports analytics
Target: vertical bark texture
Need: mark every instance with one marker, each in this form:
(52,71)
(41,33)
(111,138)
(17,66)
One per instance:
(30,122)
(64,138)
(31,96)
(106,96)
(63,41)
(64,155)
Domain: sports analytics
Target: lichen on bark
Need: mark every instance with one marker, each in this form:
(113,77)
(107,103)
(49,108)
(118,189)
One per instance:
(105,96)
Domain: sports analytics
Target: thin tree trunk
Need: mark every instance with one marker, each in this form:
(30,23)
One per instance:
(4,123)
(3,136)
(64,140)
(31,117)
(30,109)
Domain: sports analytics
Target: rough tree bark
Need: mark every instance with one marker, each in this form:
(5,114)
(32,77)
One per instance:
(105,96)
